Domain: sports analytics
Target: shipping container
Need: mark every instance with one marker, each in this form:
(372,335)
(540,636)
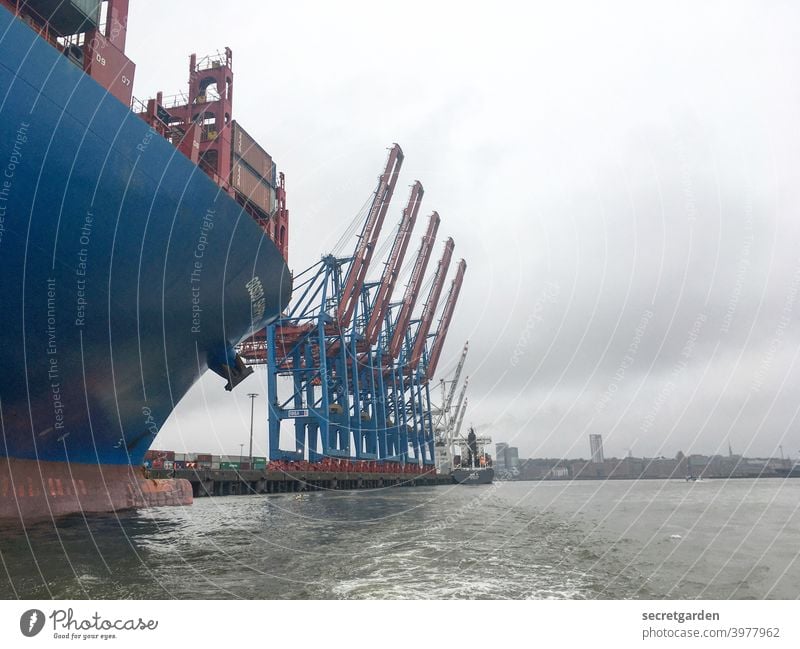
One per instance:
(153,454)
(68,16)
(204,457)
(252,188)
(229,465)
(247,149)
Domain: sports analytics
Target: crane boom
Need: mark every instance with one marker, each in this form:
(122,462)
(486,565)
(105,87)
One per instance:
(449,393)
(444,321)
(448,403)
(430,305)
(395,261)
(369,238)
(456,421)
(410,296)
(460,421)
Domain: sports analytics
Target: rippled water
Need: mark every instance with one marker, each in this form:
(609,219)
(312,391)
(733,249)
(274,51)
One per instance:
(615,539)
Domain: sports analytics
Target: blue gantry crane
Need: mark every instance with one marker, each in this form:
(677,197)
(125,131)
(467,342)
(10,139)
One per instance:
(348,366)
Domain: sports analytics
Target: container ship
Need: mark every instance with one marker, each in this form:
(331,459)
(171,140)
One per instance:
(140,243)
(789,472)
(474,466)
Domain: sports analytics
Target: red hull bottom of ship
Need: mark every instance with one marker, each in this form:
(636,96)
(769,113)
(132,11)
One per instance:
(31,490)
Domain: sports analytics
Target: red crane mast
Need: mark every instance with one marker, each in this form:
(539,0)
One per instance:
(410,296)
(369,238)
(444,321)
(393,264)
(430,306)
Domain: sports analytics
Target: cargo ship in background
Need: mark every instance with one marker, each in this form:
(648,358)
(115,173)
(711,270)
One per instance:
(789,472)
(138,247)
(465,459)
(474,465)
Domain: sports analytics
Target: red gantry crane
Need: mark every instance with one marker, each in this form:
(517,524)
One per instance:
(354,282)
(444,321)
(430,306)
(392,268)
(410,296)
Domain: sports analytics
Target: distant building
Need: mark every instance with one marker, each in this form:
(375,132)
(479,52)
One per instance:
(512,458)
(500,455)
(596,446)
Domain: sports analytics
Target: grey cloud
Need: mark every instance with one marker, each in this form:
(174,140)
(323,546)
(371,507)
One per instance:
(637,161)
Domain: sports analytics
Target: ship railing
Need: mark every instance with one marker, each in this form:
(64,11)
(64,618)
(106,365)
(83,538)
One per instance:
(173,101)
(210,61)
(75,40)
(138,106)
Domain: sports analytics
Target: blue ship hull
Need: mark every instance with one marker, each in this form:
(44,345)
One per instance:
(125,272)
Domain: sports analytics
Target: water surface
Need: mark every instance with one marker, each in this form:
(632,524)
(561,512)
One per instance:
(593,539)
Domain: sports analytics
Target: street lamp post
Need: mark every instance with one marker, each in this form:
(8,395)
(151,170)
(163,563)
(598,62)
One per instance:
(252,396)
(241,451)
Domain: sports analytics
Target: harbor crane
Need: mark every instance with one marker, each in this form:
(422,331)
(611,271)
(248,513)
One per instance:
(348,366)
(444,322)
(368,241)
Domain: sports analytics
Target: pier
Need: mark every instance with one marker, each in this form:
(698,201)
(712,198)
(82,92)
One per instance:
(232,482)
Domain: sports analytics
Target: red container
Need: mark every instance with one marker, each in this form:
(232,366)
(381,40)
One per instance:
(247,149)
(253,188)
(154,454)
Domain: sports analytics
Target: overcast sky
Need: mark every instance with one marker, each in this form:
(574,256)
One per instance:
(622,179)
